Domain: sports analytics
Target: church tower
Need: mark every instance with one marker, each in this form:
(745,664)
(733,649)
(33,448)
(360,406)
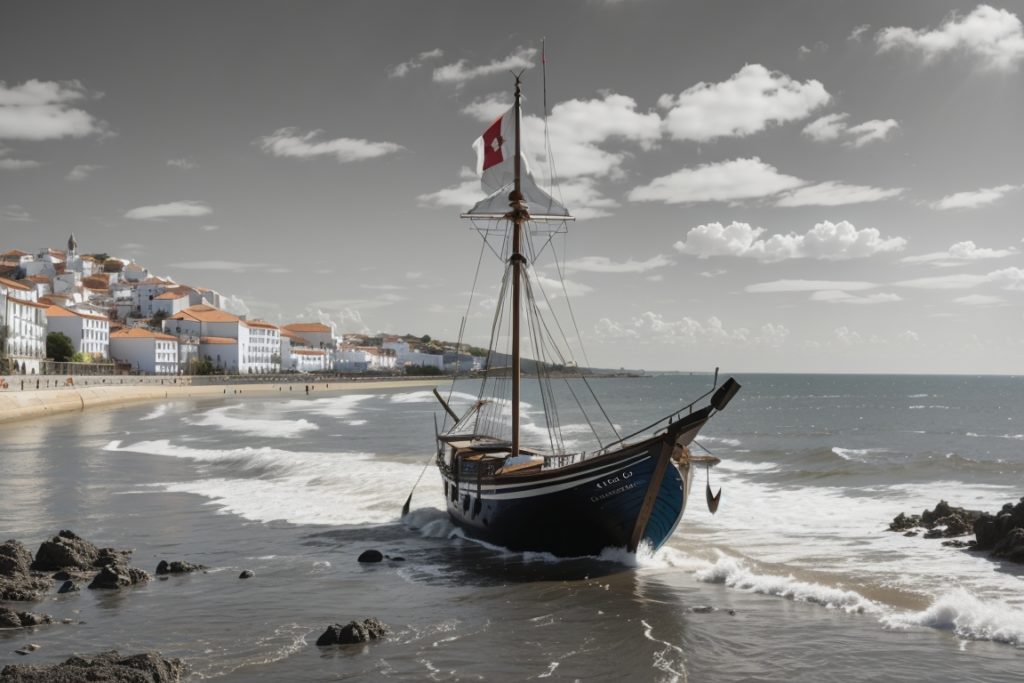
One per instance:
(72,248)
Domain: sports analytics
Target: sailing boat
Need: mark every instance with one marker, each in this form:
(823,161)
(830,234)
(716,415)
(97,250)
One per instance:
(543,496)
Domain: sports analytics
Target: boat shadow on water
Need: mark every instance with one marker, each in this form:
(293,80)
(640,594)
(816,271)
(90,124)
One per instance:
(437,553)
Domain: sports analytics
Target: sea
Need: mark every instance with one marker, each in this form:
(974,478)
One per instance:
(795,578)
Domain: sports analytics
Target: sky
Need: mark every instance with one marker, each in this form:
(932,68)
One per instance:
(761,186)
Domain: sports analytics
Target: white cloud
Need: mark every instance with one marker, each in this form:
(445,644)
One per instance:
(40,110)
(835,126)
(210,228)
(603,264)
(653,327)
(832,193)
(857,33)
(848,337)
(828,127)
(746,103)
(556,288)
(17,164)
(959,253)
(463,196)
(808,286)
(459,72)
(234,304)
(229,266)
(871,131)
(82,171)
(722,182)
(290,142)
(185,164)
(180,209)
(15,214)
(584,199)
(488,108)
(835,296)
(826,240)
(403,69)
(974,198)
(979,300)
(992,36)
(577,128)
(1006,278)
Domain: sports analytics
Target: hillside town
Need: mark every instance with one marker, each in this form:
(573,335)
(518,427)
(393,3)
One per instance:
(114,313)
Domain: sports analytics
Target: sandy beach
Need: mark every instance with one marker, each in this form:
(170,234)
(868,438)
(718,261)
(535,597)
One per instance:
(17,405)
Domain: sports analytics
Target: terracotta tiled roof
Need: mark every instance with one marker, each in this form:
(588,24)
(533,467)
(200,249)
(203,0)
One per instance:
(16,253)
(14,284)
(218,340)
(156,281)
(97,281)
(308,327)
(261,323)
(171,294)
(204,313)
(140,333)
(308,352)
(60,312)
(40,279)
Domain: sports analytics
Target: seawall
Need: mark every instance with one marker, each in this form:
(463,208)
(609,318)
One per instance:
(24,405)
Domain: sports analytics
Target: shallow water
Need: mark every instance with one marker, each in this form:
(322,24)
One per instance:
(814,467)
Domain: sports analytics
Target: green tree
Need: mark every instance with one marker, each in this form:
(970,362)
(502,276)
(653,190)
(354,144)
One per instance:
(201,366)
(81,357)
(425,339)
(156,321)
(59,347)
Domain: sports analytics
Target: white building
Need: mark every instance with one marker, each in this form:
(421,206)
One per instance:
(170,302)
(309,360)
(317,335)
(23,319)
(153,353)
(88,333)
(405,355)
(365,359)
(147,291)
(257,342)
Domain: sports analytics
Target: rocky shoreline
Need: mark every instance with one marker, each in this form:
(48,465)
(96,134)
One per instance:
(72,560)
(1000,534)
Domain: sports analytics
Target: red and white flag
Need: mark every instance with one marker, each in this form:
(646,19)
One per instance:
(495,150)
(495,164)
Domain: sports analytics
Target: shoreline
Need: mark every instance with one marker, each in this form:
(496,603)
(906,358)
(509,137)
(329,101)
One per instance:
(29,405)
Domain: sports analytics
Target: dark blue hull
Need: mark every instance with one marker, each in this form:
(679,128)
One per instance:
(580,509)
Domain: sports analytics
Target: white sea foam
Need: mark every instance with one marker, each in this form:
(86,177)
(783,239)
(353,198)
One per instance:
(157,412)
(670,659)
(733,573)
(227,418)
(856,454)
(355,423)
(968,617)
(725,441)
(298,487)
(1015,437)
(331,406)
(428,397)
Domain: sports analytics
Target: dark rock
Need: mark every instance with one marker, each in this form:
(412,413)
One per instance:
(177,567)
(353,632)
(61,576)
(23,651)
(115,576)
(15,559)
(702,609)
(932,518)
(16,581)
(902,522)
(68,587)
(67,550)
(732,613)
(397,558)
(11,619)
(370,556)
(150,667)
(934,533)
(33,619)
(956,544)
(911,533)
(1002,533)
(247,574)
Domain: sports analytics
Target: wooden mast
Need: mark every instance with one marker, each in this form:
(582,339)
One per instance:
(518,216)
